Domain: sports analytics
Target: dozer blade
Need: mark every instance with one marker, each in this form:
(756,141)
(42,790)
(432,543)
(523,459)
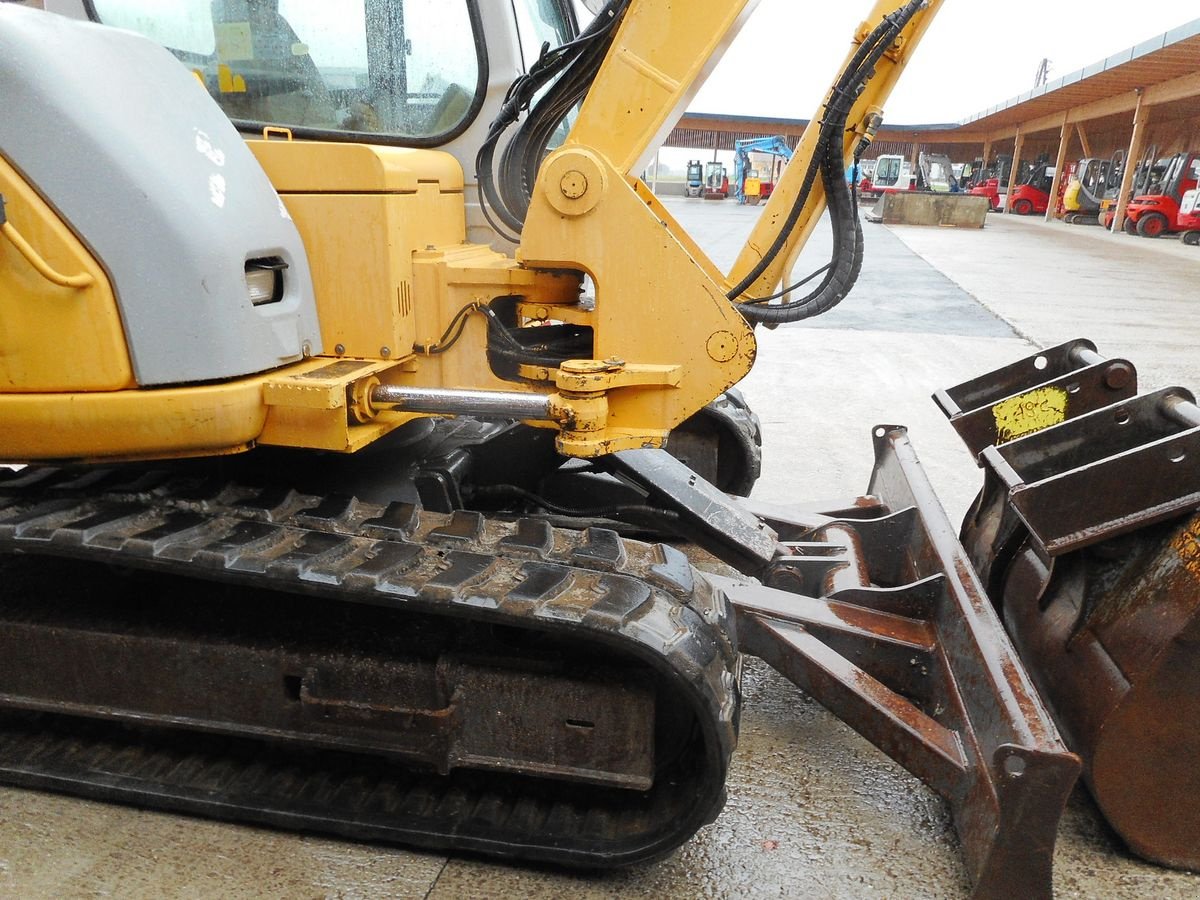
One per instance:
(1086,537)
(872,608)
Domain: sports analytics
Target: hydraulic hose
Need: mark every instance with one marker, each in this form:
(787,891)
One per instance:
(827,162)
(845,261)
(564,74)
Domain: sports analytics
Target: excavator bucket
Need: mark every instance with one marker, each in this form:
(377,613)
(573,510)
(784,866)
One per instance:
(1086,537)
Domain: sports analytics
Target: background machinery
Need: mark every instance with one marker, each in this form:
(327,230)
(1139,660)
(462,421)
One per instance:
(892,173)
(991,181)
(1154,211)
(323,512)
(1189,218)
(1147,174)
(695,178)
(754,184)
(935,172)
(716,182)
(1087,186)
(1032,195)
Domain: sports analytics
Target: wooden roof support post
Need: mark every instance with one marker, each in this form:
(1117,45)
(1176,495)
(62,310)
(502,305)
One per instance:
(1018,145)
(1083,140)
(1136,141)
(1060,166)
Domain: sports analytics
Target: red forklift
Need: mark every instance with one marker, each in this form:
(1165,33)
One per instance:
(716,181)
(1032,195)
(1189,218)
(1148,171)
(1156,211)
(993,182)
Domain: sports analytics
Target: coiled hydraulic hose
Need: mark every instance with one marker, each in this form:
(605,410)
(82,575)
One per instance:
(827,161)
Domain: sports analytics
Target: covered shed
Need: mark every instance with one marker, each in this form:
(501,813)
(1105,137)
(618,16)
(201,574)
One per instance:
(1144,98)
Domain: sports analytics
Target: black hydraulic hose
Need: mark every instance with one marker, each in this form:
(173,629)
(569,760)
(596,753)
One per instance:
(837,109)
(827,161)
(845,261)
(566,73)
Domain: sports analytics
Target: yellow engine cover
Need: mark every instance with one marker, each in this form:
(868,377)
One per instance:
(54,338)
(362,211)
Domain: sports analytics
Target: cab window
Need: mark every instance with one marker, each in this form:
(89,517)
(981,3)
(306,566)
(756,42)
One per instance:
(542,22)
(546,23)
(411,71)
(887,171)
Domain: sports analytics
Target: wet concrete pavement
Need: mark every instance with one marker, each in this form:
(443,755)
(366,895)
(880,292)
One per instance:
(814,811)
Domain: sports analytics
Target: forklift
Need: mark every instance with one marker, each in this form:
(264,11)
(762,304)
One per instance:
(1189,218)
(1156,211)
(1146,175)
(1032,196)
(1085,191)
(695,178)
(716,181)
(993,182)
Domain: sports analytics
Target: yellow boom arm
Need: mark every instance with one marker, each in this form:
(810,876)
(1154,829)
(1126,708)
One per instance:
(590,213)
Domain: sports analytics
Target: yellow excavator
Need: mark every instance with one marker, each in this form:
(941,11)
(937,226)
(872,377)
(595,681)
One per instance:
(339,349)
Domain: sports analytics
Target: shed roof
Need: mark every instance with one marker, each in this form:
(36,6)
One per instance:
(1171,55)
(1105,90)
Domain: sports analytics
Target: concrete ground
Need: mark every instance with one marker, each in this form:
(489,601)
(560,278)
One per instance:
(813,809)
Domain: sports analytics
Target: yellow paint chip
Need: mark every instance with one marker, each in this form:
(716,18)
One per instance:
(1027,413)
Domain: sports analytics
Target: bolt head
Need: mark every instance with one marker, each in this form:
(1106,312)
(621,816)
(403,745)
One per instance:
(573,184)
(1117,376)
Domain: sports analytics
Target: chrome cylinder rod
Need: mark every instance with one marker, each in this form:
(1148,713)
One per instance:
(1182,410)
(482,404)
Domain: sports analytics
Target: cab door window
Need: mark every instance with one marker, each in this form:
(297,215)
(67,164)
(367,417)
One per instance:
(409,71)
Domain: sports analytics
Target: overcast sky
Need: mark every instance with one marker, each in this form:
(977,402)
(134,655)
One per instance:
(977,53)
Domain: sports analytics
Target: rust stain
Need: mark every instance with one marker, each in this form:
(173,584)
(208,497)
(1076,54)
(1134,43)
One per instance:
(1186,543)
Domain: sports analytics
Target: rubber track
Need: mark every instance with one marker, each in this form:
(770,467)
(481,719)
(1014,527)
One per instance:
(731,412)
(637,599)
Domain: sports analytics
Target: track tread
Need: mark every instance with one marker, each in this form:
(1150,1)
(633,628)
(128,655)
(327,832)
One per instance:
(641,598)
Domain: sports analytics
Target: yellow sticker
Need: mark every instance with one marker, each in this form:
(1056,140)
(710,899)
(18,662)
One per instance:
(1019,416)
